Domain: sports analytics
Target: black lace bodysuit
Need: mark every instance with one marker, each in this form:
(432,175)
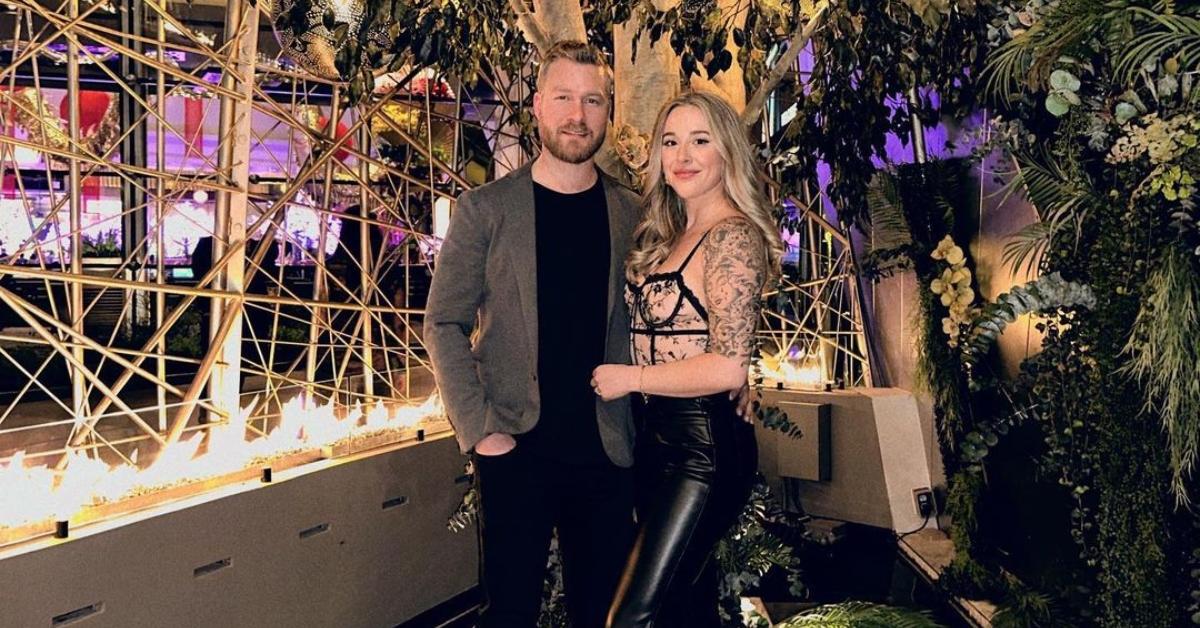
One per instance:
(667,320)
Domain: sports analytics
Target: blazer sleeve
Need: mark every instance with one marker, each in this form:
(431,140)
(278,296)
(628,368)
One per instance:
(456,291)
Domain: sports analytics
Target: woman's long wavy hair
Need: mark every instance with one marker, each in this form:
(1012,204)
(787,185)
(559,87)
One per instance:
(665,219)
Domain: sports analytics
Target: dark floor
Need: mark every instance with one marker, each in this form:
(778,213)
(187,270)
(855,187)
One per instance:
(457,612)
(863,565)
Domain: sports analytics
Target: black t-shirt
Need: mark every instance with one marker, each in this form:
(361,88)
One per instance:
(573,254)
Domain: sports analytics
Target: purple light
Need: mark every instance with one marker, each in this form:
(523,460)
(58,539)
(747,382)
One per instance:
(96,50)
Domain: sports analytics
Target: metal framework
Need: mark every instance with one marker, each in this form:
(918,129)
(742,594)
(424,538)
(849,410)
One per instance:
(815,318)
(117,359)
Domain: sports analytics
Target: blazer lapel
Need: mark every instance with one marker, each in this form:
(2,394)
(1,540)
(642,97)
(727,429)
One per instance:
(618,234)
(524,253)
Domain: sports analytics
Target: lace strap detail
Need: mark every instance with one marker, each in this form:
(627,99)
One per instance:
(687,260)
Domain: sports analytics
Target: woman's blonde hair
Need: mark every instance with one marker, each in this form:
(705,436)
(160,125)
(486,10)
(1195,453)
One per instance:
(665,218)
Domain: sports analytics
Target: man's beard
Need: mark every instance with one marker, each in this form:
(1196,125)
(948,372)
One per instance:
(559,147)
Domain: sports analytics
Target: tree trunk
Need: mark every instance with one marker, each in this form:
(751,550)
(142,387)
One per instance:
(560,19)
(642,87)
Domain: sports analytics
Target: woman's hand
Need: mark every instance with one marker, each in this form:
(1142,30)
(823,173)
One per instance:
(611,381)
(742,398)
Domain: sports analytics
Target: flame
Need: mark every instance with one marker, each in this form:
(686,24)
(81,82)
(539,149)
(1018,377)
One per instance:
(37,493)
(25,498)
(795,368)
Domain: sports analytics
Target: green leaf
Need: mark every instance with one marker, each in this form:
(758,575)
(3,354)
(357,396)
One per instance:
(725,59)
(1057,105)
(1125,112)
(1064,80)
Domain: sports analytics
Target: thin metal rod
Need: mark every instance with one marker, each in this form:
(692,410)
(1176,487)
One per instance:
(367,276)
(78,377)
(319,281)
(160,248)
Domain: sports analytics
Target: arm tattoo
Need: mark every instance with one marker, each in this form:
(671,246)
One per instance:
(735,268)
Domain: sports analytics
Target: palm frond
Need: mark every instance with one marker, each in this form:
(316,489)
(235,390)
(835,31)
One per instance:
(752,547)
(1171,35)
(1026,60)
(1006,69)
(1026,608)
(859,615)
(1059,197)
(889,229)
(1024,250)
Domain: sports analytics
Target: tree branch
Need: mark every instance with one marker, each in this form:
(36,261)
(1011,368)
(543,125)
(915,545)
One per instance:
(530,27)
(797,43)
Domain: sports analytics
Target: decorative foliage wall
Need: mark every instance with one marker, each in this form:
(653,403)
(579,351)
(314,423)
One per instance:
(1095,104)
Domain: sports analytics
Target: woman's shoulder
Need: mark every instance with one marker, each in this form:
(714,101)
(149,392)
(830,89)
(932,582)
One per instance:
(735,245)
(734,230)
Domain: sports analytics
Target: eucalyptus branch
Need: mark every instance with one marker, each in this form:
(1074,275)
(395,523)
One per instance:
(530,27)
(1044,294)
(799,40)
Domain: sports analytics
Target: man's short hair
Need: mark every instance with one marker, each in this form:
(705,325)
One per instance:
(579,52)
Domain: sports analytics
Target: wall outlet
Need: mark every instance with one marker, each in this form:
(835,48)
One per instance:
(923,499)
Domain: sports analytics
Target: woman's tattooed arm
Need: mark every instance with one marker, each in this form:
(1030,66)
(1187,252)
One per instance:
(735,268)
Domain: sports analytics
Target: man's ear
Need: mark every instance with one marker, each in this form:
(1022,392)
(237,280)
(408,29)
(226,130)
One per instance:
(537,105)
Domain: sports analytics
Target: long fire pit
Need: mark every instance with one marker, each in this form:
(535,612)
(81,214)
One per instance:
(355,540)
(39,499)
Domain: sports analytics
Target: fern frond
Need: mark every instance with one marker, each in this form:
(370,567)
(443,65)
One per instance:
(1026,608)
(466,513)
(859,615)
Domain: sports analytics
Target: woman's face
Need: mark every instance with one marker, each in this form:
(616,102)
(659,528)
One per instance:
(691,163)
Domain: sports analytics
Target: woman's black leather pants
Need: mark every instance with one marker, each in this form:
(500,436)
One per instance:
(695,465)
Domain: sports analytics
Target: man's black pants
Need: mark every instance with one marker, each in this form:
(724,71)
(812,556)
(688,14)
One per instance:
(523,498)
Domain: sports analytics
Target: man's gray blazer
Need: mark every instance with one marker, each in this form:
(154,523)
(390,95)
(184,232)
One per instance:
(488,268)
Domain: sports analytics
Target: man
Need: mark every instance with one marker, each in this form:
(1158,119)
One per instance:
(538,256)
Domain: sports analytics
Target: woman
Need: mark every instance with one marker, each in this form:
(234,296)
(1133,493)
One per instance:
(701,257)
